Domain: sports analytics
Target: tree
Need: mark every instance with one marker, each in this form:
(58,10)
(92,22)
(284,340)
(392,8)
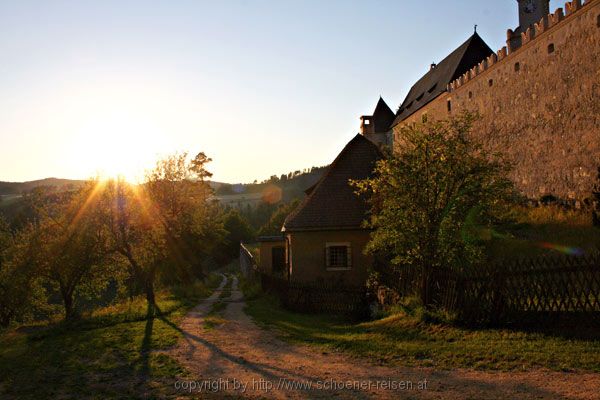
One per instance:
(5,240)
(275,223)
(238,230)
(72,247)
(19,288)
(136,234)
(165,227)
(180,195)
(423,196)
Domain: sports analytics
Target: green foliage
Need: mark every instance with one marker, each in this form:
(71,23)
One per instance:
(273,227)
(259,215)
(179,194)
(20,285)
(5,240)
(238,230)
(72,252)
(166,228)
(431,200)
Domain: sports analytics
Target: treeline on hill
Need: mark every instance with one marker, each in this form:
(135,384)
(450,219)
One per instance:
(15,188)
(267,217)
(292,184)
(104,241)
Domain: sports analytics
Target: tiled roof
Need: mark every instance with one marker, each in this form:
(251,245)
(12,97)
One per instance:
(332,203)
(435,82)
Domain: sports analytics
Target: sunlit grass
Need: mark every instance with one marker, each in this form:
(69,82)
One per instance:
(535,229)
(404,339)
(107,354)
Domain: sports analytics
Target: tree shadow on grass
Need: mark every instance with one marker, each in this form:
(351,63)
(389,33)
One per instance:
(146,347)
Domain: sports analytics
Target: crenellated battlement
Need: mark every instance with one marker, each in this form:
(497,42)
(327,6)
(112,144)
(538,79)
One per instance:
(516,40)
(537,100)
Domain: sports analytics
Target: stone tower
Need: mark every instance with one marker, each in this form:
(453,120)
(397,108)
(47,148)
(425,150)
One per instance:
(376,127)
(532,11)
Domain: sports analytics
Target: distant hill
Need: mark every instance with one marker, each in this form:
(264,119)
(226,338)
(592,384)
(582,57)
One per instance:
(283,188)
(18,188)
(286,188)
(13,206)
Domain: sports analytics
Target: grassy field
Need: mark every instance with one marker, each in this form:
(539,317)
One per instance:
(106,355)
(404,339)
(544,230)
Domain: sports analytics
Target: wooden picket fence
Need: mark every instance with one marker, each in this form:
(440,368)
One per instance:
(525,290)
(317,297)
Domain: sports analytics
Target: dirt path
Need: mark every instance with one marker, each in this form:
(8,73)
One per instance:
(239,359)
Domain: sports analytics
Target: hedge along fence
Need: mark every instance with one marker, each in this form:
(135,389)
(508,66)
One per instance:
(513,292)
(318,297)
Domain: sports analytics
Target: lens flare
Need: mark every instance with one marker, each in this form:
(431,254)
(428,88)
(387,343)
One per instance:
(472,231)
(572,251)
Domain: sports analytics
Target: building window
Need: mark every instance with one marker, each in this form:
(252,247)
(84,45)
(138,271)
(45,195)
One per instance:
(338,256)
(491,82)
(598,21)
(551,48)
(470,95)
(517,67)
(449,106)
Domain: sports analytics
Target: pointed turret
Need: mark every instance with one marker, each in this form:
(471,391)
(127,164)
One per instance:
(376,127)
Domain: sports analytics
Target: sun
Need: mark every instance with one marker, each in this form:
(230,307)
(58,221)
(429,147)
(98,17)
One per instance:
(118,143)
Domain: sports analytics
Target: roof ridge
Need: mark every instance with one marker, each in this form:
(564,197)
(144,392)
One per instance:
(435,81)
(319,182)
(327,175)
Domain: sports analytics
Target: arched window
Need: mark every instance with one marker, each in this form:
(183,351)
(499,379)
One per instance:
(551,48)
(517,67)
(470,95)
(598,21)
(491,82)
(449,105)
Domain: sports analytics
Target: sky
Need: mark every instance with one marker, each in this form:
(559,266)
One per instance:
(262,87)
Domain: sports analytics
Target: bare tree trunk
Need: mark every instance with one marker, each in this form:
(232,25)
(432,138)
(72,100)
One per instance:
(5,319)
(150,296)
(69,304)
(425,289)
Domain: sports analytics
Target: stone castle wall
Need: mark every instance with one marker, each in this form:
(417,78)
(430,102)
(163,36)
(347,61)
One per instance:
(540,103)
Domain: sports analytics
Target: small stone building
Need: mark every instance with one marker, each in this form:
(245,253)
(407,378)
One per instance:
(324,236)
